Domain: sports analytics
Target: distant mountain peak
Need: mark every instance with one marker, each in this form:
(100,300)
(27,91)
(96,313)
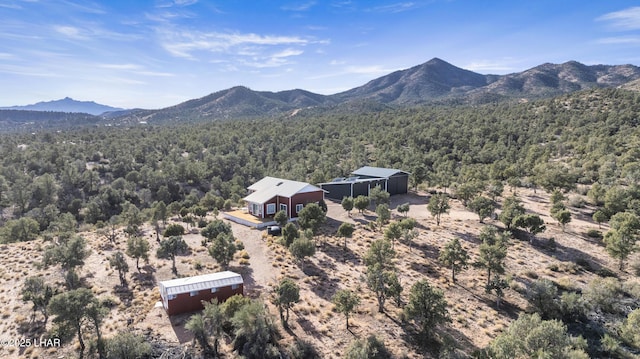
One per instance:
(67,104)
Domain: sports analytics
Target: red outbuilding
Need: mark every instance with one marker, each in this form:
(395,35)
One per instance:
(185,295)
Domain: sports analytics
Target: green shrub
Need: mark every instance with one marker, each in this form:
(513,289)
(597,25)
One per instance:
(594,233)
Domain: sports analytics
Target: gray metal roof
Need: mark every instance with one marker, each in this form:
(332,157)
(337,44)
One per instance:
(377,172)
(269,187)
(201,282)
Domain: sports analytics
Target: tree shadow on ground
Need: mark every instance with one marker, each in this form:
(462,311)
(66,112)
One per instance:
(468,237)
(332,224)
(312,270)
(428,251)
(124,293)
(145,278)
(251,288)
(308,327)
(323,285)
(444,338)
(563,253)
(177,324)
(340,253)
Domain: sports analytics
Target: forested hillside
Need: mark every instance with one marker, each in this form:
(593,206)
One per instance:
(582,148)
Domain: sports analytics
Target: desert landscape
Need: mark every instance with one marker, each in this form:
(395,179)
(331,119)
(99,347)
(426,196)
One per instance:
(475,318)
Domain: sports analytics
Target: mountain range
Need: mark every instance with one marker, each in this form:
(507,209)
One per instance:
(434,82)
(67,105)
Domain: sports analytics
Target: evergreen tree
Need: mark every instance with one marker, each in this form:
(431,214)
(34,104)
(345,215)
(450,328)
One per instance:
(438,205)
(138,248)
(346,302)
(427,307)
(454,256)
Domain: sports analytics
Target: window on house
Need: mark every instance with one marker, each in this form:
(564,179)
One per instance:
(271,208)
(299,207)
(283,207)
(171,297)
(193,293)
(235,286)
(213,290)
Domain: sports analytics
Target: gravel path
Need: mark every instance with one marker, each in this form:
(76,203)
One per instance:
(260,273)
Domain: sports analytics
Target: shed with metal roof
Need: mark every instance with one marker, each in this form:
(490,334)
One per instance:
(184,295)
(364,179)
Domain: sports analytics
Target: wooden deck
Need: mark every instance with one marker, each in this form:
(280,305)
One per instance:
(243,217)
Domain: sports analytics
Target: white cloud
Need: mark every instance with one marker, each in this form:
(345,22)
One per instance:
(627,19)
(69,31)
(485,66)
(184,44)
(299,6)
(288,52)
(619,40)
(394,8)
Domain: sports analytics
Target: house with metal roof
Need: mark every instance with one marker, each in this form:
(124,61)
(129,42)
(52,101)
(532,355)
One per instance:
(270,195)
(362,180)
(185,295)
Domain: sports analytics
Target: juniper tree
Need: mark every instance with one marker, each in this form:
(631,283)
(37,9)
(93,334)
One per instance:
(438,205)
(454,257)
(138,248)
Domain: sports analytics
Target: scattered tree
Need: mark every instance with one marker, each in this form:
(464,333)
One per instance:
(302,248)
(454,256)
(532,337)
(196,325)
(493,251)
(511,209)
(483,207)
(126,345)
(384,283)
(361,203)
(630,330)
(311,216)
(394,231)
(542,295)
(119,263)
(379,196)
(222,249)
(36,291)
(281,218)
(346,302)
(600,217)
(563,217)
(403,208)
(369,348)
(497,285)
(69,254)
(384,214)
(531,222)
(173,230)
(71,308)
(347,204)
(345,231)
(621,238)
(287,293)
(290,233)
(214,229)
(170,248)
(427,307)
(138,248)
(438,205)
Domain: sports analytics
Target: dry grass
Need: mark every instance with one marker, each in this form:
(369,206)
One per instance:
(475,319)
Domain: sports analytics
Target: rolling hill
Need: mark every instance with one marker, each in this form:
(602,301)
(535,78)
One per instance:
(434,82)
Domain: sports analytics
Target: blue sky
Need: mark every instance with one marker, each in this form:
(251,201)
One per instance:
(158,53)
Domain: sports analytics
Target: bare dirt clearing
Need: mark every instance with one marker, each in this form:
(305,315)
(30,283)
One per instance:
(475,320)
